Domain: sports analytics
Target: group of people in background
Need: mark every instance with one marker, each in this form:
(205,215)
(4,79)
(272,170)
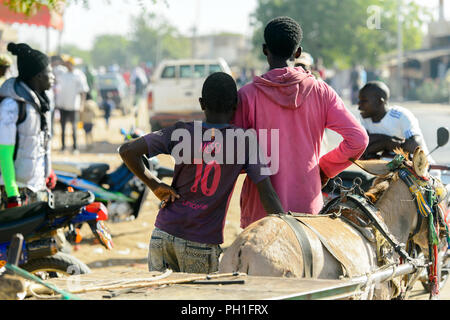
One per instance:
(44,90)
(74,99)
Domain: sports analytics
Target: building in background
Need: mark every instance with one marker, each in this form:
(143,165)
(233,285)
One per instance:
(426,71)
(236,49)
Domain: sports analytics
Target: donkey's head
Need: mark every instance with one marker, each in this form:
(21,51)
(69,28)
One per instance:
(393,198)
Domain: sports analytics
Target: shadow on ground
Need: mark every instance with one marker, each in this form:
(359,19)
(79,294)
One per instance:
(141,263)
(101,147)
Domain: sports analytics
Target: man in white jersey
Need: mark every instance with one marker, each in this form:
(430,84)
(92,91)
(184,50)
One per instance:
(389,127)
(70,98)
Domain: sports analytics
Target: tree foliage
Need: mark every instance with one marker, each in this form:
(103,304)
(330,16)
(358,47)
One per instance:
(151,39)
(74,51)
(29,7)
(111,49)
(347,32)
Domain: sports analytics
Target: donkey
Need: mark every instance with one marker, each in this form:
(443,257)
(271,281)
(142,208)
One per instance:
(269,247)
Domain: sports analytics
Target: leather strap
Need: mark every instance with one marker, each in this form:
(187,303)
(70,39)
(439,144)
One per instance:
(371,212)
(327,246)
(303,240)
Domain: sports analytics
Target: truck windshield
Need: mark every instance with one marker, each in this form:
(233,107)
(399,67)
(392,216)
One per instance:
(214,68)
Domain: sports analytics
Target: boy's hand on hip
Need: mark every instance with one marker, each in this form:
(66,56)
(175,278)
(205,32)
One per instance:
(166,194)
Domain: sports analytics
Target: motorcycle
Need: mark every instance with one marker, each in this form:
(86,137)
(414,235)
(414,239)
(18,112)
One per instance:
(121,191)
(39,224)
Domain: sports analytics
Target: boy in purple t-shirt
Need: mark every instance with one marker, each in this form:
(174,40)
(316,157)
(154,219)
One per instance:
(209,158)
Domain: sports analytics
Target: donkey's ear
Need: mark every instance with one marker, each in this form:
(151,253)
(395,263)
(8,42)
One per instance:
(420,162)
(375,167)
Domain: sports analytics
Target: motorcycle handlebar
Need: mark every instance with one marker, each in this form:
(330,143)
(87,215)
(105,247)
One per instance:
(439,167)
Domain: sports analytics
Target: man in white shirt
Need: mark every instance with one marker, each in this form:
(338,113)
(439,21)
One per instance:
(58,68)
(389,127)
(72,90)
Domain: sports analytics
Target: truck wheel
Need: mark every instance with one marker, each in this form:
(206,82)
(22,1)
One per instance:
(60,263)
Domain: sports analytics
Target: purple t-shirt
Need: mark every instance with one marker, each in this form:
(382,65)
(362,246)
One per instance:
(208,163)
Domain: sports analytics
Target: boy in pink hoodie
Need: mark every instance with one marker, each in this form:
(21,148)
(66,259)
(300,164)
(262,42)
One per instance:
(295,109)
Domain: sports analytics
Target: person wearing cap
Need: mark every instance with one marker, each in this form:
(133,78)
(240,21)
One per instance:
(306,61)
(70,98)
(5,63)
(25,165)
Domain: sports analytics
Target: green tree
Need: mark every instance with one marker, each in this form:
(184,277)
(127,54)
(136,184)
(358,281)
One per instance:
(74,51)
(151,40)
(29,7)
(111,49)
(347,32)
(154,39)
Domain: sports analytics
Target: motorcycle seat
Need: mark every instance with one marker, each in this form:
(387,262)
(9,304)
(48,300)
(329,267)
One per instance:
(66,202)
(24,220)
(88,171)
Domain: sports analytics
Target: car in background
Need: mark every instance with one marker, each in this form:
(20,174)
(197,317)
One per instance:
(114,83)
(175,88)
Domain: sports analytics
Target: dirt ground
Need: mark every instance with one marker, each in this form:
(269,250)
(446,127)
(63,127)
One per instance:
(131,238)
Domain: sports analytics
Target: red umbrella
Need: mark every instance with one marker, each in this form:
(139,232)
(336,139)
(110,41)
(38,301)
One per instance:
(43,17)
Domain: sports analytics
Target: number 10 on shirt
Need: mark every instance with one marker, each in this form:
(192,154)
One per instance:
(201,178)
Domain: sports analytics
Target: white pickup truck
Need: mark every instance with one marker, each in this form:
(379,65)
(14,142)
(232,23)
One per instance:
(175,88)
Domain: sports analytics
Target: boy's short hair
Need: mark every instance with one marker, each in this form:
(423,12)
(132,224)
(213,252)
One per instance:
(283,36)
(379,88)
(219,93)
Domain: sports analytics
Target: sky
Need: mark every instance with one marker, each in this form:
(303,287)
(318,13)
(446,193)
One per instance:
(82,25)
(211,16)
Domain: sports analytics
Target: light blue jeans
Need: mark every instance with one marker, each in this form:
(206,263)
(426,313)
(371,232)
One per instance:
(180,255)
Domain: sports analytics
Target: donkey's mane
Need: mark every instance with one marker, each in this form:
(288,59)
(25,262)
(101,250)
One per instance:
(382,183)
(379,186)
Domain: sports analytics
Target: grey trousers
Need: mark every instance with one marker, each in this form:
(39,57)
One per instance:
(179,255)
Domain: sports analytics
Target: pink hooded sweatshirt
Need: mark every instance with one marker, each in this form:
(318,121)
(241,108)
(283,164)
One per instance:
(301,107)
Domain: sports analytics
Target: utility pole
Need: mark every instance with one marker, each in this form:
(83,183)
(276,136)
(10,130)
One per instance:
(195,29)
(441,11)
(47,40)
(400,49)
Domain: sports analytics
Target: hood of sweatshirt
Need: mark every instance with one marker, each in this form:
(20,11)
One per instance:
(18,91)
(287,87)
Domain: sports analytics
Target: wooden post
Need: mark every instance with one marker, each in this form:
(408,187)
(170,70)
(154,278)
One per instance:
(47,40)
